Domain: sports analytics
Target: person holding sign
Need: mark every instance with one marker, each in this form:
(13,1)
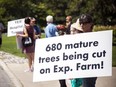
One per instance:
(86,23)
(29,50)
(76,29)
(61,31)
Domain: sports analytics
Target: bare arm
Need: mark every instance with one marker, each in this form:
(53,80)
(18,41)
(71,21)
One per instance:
(23,35)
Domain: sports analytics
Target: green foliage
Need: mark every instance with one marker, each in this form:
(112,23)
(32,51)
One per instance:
(103,11)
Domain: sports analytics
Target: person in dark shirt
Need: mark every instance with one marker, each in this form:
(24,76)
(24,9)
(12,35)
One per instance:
(37,29)
(86,23)
(28,31)
(68,24)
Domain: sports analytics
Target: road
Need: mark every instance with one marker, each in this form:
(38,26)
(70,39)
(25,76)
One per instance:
(4,79)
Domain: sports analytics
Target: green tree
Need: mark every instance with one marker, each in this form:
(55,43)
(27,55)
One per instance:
(103,11)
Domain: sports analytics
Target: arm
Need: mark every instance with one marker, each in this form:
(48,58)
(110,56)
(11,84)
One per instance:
(23,35)
(38,36)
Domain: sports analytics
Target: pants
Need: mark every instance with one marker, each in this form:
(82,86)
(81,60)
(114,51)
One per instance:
(62,83)
(89,82)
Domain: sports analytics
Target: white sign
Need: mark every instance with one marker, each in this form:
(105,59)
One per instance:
(73,56)
(19,41)
(15,26)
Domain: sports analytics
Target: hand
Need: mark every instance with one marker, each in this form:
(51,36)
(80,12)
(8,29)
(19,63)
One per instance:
(18,35)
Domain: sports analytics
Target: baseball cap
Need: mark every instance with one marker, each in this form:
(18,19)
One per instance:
(85,18)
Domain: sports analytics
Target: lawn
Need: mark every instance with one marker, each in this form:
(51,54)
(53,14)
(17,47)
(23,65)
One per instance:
(9,45)
(114,56)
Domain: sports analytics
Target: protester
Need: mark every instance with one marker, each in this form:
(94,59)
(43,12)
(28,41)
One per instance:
(86,23)
(36,28)
(51,29)
(61,31)
(1,30)
(68,24)
(29,51)
(76,29)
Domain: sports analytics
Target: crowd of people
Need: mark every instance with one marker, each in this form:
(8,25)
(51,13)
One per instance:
(83,24)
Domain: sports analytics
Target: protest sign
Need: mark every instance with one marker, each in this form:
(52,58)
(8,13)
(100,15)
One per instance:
(19,41)
(73,56)
(15,26)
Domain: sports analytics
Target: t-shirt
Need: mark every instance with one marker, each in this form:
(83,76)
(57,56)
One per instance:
(37,29)
(50,30)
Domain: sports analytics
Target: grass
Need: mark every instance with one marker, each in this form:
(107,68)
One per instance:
(9,45)
(114,56)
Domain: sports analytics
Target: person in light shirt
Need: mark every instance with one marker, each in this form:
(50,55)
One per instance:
(51,29)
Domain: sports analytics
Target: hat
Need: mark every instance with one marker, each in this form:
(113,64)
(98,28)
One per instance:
(49,18)
(76,26)
(85,18)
